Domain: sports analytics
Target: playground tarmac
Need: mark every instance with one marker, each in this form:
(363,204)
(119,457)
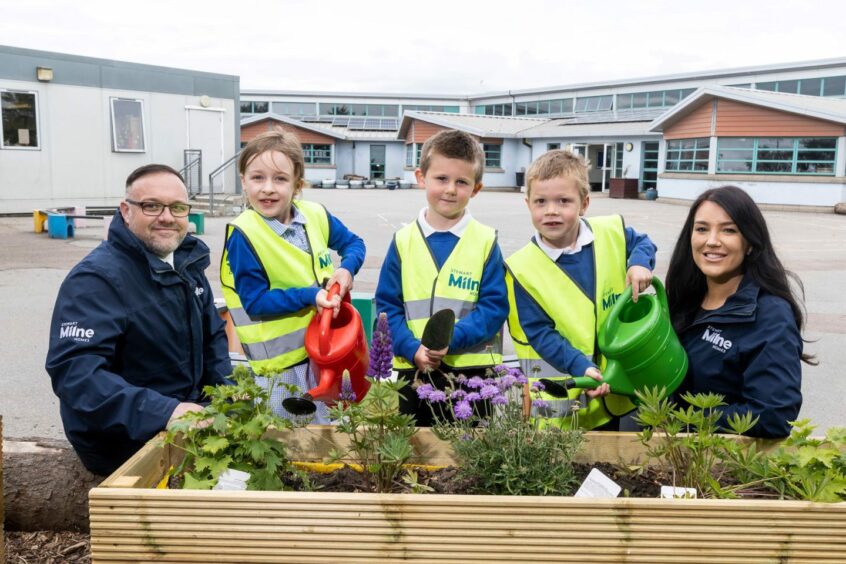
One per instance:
(32,267)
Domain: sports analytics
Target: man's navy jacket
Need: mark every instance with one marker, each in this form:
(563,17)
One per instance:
(130,339)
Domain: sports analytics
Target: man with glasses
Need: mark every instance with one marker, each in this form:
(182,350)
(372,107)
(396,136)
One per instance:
(135,334)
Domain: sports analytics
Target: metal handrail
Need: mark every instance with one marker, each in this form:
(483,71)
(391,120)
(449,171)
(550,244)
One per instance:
(198,161)
(217,172)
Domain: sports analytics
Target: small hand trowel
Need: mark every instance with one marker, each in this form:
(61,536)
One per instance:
(438,330)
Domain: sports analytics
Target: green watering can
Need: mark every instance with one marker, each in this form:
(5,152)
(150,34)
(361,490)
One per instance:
(640,346)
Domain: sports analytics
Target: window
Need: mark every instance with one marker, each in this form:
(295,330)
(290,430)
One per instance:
(363,110)
(544,107)
(294,109)
(828,86)
(412,154)
(594,103)
(19,123)
(618,161)
(687,155)
(127,126)
(649,165)
(430,108)
(493,110)
(553,146)
(834,86)
(493,155)
(251,107)
(317,154)
(776,155)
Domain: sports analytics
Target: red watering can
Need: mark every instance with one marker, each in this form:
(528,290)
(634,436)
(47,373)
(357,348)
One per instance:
(334,345)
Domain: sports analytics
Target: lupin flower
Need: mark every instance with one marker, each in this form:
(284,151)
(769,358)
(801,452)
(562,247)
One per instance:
(381,352)
(347,394)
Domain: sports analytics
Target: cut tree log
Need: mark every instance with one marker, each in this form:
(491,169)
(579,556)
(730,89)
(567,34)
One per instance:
(45,486)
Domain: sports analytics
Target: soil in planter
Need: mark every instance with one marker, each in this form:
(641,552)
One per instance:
(47,547)
(447,481)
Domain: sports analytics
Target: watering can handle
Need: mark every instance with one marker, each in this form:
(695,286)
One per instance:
(660,293)
(326,321)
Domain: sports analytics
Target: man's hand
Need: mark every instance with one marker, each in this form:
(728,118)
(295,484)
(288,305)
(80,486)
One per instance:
(183,408)
(602,390)
(639,278)
(344,278)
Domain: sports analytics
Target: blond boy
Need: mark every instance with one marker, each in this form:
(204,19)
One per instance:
(561,285)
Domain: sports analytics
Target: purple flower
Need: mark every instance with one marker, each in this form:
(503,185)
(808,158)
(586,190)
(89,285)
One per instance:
(461,379)
(381,355)
(437,396)
(463,410)
(521,378)
(472,396)
(475,383)
(424,390)
(507,381)
(457,394)
(347,394)
(540,404)
(501,369)
(538,386)
(488,391)
(499,400)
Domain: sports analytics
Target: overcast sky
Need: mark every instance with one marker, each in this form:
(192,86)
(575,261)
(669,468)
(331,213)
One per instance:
(431,46)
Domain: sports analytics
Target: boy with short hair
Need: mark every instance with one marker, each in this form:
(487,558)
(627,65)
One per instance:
(444,260)
(562,285)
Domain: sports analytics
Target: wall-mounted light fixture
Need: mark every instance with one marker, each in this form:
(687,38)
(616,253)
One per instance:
(44,74)
(629,146)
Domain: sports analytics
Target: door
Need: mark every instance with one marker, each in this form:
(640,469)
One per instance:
(205,132)
(377,162)
(649,165)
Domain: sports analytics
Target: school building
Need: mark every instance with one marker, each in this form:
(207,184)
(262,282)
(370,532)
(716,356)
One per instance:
(778,131)
(72,128)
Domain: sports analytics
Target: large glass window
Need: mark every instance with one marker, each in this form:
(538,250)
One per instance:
(294,109)
(493,110)
(412,154)
(364,110)
(687,155)
(317,154)
(544,107)
(827,86)
(493,155)
(776,155)
(127,126)
(19,120)
(430,108)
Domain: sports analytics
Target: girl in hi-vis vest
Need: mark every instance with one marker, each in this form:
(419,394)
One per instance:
(276,264)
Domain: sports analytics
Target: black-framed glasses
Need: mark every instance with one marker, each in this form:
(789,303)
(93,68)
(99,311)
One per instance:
(155,208)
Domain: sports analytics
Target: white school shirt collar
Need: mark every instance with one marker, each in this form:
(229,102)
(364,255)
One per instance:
(585,237)
(456,229)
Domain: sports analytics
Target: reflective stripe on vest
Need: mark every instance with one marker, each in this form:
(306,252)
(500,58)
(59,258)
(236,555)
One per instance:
(575,315)
(455,286)
(275,343)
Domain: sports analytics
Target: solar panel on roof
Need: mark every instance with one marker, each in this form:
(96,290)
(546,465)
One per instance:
(341,121)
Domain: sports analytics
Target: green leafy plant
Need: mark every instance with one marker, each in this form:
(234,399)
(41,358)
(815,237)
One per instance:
(687,443)
(805,467)
(230,433)
(379,436)
(505,452)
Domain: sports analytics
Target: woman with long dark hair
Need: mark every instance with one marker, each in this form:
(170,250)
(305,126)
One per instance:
(735,312)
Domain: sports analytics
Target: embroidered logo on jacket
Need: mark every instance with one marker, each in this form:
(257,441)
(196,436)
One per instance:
(72,330)
(198,291)
(717,341)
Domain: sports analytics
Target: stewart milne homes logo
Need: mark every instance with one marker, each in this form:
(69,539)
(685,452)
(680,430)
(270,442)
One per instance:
(325,259)
(463,280)
(72,330)
(609,298)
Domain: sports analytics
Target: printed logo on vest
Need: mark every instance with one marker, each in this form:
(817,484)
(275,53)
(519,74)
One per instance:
(325,259)
(718,343)
(609,298)
(72,330)
(462,280)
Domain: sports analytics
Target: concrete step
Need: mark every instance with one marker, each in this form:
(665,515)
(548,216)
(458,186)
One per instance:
(224,204)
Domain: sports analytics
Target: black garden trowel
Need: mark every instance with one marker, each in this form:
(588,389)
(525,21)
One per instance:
(438,331)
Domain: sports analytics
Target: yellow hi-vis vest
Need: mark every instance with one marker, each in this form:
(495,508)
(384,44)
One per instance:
(275,343)
(456,286)
(576,316)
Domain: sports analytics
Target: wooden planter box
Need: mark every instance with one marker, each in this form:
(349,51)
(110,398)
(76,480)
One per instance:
(623,188)
(130,521)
